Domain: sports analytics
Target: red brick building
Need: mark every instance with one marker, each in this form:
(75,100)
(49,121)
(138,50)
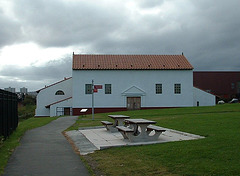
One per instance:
(225,84)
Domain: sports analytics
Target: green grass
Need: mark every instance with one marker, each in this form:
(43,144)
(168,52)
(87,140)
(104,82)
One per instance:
(8,146)
(217,154)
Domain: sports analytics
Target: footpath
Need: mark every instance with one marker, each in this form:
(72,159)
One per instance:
(45,151)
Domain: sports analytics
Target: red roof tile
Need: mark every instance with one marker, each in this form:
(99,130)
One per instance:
(130,62)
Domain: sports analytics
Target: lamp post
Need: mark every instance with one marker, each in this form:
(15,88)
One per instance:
(92,100)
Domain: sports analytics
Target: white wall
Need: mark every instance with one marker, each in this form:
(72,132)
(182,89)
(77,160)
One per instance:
(204,98)
(47,96)
(53,108)
(122,80)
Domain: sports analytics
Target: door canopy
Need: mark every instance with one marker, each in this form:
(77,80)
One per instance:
(133,92)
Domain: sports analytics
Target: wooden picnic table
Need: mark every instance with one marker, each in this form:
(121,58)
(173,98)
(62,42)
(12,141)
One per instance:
(139,130)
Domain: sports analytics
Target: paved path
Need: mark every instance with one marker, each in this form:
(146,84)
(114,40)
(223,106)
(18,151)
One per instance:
(45,151)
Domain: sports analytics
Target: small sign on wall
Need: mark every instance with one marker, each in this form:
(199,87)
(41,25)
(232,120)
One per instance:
(97,86)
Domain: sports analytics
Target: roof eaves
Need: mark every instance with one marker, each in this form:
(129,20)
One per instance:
(206,91)
(53,84)
(48,106)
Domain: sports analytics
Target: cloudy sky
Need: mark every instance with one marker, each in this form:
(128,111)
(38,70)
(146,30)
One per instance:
(37,38)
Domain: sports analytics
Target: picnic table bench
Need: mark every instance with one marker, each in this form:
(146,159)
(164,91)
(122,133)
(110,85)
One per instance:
(108,125)
(124,131)
(118,121)
(158,131)
(139,130)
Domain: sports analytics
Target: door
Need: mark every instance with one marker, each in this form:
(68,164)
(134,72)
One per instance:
(66,111)
(133,103)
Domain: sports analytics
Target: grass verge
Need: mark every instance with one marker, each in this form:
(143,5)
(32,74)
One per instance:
(8,146)
(217,154)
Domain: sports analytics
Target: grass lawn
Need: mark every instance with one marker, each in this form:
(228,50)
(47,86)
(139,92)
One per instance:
(8,146)
(217,154)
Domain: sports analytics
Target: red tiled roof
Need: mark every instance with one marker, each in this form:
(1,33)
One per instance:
(130,62)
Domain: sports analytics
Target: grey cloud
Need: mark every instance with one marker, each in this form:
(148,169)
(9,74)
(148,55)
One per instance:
(208,35)
(150,4)
(9,31)
(209,28)
(55,23)
(35,77)
(206,31)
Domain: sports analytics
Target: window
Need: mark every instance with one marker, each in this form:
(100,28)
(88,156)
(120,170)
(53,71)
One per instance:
(177,88)
(158,88)
(88,88)
(59,92)
(108,89)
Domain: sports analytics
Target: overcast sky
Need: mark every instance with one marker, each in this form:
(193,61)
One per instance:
(38,37)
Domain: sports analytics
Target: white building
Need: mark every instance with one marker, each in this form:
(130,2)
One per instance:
(126,82)
(24,90)
(55,99)
(10,89)
(203,98)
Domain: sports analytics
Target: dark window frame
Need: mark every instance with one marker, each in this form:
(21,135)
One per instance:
(158,88)
(88,88)
(177,88)
(59,92)
(108,88)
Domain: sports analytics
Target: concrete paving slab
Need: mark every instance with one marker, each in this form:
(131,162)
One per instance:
(80,141)
(102,139)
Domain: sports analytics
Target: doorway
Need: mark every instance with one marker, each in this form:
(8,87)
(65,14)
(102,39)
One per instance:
(133,103)
(66,111)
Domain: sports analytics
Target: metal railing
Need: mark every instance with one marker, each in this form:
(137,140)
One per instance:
(8,113)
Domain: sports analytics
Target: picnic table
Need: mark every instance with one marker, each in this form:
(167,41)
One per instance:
(139,130)
(118,121)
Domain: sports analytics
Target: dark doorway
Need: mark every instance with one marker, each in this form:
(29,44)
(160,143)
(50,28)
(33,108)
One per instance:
(133,103)
(66,111)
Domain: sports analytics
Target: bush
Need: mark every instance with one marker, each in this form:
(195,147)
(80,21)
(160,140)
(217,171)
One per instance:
(29,100)
(26,112)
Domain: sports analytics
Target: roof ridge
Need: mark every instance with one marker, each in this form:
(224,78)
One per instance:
(128,55)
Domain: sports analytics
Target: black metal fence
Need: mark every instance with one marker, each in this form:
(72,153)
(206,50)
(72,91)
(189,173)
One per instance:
(8,113)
